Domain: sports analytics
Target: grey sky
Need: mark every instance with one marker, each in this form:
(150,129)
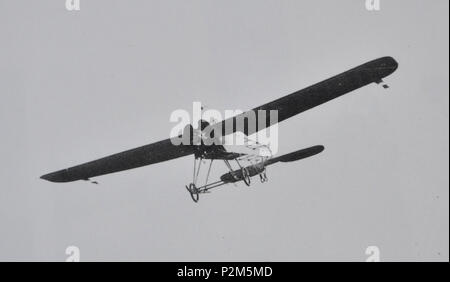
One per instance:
(81,85)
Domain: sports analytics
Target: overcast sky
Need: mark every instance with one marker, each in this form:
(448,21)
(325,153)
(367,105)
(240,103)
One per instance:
(80,85)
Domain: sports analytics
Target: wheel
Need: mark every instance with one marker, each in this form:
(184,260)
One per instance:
(193,191)
(263,177)
(246,176)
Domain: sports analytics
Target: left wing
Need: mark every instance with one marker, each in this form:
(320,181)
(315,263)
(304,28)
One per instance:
(149,154)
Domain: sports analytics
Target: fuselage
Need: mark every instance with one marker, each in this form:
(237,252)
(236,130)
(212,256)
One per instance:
(237,175)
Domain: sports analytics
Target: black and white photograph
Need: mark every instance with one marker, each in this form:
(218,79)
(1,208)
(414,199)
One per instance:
(250,131)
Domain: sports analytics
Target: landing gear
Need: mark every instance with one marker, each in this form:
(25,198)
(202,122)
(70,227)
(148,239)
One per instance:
(263,176)
(242,173)
(194,191)
(246,176)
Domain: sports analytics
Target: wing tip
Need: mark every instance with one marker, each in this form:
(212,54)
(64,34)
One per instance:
(319,148)
(48,177)
(57,177)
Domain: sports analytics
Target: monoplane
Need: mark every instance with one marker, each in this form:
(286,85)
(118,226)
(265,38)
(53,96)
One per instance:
(246,166)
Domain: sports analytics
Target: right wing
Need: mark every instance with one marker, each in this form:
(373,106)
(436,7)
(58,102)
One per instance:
(310,97)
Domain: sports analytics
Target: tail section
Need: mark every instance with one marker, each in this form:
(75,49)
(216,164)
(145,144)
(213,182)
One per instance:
(297,155)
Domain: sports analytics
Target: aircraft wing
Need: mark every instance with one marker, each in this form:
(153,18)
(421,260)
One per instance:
(142,156)
(305,99)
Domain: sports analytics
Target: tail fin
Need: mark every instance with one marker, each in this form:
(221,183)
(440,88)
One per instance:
(297,155)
